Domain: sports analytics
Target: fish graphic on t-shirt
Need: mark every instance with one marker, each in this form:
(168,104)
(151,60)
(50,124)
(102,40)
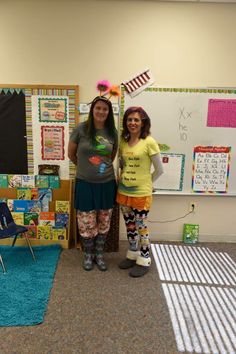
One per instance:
(96,160)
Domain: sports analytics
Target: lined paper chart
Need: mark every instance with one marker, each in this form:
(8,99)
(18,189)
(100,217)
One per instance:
(210,169)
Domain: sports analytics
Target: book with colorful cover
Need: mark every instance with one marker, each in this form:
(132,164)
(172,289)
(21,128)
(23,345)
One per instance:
(18,217)
(59,234)
(34,206)
(32,231)
(190,233)
(20,205)
(23,193)
(61,220)
(34,194)
(44,232)
(31,219)
(62,206)
(47,218)
(54,181)
(3,181)
(14,181)
(28,181)
(41,181)
(45,196)
(10,204)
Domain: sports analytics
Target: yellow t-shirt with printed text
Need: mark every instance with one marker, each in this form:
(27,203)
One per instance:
(136,179)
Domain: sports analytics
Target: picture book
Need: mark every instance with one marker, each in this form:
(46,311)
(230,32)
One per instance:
(47,218)
(190,233)
(20,205)
(61,220)
(44,232)
(10,204)
(54,181)
(34,206)
(34,194)
(45,196)
(31,219)
(59,234)
(23,193)
(32,231)
(14,181)
(3,181)
(28,181)
(18,217)
(62,206)
(41,181)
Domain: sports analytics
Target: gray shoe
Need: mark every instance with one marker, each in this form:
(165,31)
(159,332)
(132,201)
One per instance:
(100,263)
(127,263)
(88,262)
(138,271)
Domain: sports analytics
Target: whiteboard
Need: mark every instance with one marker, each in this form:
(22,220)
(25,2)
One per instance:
(180,122)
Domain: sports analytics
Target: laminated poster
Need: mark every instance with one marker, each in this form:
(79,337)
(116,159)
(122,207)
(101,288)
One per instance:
(52,109)
(210,169)
(53,143)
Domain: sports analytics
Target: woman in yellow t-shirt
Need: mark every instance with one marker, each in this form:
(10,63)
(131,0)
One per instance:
(138,151)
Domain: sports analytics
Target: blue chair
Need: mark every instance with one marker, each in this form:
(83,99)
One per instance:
(8,228)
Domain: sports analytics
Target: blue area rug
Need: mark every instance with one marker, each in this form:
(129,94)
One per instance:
(25,288)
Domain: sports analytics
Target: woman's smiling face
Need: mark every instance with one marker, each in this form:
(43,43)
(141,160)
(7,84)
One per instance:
(100,113)
(134,123)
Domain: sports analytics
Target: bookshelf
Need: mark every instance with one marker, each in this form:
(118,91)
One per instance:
(65,192)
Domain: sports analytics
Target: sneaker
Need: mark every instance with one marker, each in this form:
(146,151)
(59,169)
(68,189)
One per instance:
(138,271)
(127,263)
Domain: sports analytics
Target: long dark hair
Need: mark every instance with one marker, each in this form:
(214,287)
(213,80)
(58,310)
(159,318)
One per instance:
(109,122)
(145,129)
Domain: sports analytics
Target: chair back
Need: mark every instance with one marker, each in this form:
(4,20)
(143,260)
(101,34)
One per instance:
(7,224)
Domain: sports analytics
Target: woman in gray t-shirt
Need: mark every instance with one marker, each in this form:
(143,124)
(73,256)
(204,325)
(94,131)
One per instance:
(92,148)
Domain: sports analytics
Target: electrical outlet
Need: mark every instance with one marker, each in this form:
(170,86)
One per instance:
(192,206)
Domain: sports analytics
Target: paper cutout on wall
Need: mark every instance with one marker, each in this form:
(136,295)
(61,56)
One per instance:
(138,82)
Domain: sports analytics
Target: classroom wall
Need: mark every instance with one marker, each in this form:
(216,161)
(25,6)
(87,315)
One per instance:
(82,41)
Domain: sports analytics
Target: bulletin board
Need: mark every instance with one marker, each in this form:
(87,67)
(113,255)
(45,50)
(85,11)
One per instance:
(51,112)
(196,131)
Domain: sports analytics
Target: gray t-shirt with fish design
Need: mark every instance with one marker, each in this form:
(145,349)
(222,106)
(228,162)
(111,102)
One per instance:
(94,162)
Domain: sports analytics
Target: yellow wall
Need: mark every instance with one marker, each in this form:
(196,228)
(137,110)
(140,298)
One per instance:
(82,41)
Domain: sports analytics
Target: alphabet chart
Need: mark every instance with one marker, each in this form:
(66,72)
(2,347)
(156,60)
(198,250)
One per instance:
(210,169)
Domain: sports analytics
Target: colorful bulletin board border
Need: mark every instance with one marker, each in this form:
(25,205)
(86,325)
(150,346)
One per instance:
(53,142)
(52,109)
(210,172)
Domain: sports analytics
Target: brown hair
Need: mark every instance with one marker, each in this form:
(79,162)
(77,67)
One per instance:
(145,129)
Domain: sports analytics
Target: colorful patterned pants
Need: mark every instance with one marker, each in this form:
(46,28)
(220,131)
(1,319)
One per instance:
(94,222)
(137,231)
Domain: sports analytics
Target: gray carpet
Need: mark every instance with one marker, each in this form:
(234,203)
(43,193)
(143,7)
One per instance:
(101,312)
